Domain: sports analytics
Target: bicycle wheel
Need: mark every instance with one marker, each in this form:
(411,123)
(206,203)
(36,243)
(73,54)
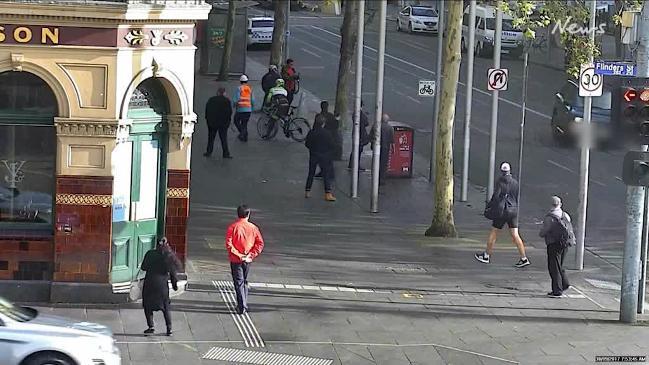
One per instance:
(263,124)
(298,128)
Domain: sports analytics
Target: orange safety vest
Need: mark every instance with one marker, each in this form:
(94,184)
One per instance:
(245,96)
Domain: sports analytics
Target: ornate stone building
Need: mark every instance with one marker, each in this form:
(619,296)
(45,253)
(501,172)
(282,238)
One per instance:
(96,119)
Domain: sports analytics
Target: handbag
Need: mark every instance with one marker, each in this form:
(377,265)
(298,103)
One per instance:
(135,292)
(496,209)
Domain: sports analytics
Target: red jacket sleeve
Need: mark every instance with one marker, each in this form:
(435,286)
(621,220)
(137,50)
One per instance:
(258,246)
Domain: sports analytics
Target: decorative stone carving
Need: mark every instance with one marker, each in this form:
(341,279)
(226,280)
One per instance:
(17,60)
(175,37)
(123,131)
(84,199)
(86,128)
(156,37)
(178,193)
(181,128)
(136,37)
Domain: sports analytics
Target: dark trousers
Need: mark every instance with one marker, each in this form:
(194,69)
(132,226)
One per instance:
(241,122)
(148,313)
(240,278)
(289,96)
(351,155)
(556,255)
(223,136)
(326,168)
(383,164)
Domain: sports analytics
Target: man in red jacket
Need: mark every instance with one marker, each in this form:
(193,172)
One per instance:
(244,243)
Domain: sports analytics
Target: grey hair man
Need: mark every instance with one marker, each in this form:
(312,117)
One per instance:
(558,234)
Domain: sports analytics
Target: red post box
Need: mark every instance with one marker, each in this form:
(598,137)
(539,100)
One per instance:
(400,159)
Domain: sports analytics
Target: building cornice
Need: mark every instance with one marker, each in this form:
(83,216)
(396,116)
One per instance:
(81,127)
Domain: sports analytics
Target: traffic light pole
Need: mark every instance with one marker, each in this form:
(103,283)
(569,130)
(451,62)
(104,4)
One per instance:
(357,98)
(494,107)
(470,51)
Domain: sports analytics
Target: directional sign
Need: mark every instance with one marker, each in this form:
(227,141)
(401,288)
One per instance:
(426,88)
(615,68)
(590,83)
(497,79)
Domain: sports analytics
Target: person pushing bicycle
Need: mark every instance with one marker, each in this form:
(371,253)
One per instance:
(277,104)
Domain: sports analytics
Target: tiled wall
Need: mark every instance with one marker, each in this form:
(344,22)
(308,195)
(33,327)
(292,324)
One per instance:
(177,211)
(26,256)
(83,229)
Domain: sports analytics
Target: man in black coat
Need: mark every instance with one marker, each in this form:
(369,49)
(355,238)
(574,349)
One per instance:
(218,113)
(269,79)
(363,140)
(330,123)
(321,147)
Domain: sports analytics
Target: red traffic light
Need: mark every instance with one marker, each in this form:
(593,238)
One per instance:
(644,96)
(630,94)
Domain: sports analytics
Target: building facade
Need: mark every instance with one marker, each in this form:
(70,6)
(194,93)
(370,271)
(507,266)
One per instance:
(96,119)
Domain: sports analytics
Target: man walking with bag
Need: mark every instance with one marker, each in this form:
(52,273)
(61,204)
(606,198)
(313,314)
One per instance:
(501,209)
(244,243)
(559,235)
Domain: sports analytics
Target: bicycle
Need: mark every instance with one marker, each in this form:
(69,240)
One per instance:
(293,127)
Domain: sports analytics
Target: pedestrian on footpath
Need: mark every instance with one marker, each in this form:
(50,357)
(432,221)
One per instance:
(243,102)
(321,147)
(559,236)
(244,243)
(268,81)
(290,77)
(331,124)
(364,138)
(160,265)
(387,140)
(501,209)
(218,113)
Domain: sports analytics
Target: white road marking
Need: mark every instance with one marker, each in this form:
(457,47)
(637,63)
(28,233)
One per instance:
(618,178)
(561,166)
(479,130)
(433,73)
(413,99)
(311,53)
(312,67)
(262,358)
(587,297)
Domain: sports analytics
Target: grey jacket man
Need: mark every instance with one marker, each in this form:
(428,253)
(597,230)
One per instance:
(548,223)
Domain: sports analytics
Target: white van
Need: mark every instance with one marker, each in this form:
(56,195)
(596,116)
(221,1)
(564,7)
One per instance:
(485,22)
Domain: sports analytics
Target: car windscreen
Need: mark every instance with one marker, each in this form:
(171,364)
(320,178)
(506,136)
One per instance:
(423,12)
(599,102)
(262,23)
(507,25)
(16,313)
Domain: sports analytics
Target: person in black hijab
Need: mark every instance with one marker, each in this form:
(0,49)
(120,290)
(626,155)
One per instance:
(160,265)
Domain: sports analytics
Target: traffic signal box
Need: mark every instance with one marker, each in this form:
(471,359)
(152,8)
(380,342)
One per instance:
(635,171)
(631,108)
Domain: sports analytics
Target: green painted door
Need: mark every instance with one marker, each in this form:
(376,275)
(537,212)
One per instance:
(137,206)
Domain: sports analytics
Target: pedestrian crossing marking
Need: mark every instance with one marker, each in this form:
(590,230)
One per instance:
(261,358)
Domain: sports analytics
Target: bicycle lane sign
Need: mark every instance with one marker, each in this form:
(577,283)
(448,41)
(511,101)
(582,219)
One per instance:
(426,88)
(497,79)
(590,83)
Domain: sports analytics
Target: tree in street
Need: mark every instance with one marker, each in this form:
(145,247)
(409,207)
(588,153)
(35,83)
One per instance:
(229,37)
(279,32)
(348,40)
(443,223)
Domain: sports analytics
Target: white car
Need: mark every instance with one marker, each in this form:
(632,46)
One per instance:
(418,19)
(28,337)
(260,30)
(485,25)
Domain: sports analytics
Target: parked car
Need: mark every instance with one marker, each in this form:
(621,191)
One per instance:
(260,30)
(485,24)
(568,114)
(418,19)
(28,337)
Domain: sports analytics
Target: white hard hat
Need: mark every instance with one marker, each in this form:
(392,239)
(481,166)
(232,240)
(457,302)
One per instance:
(243,78)
(505,167)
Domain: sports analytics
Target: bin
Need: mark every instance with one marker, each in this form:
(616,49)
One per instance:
(400,158)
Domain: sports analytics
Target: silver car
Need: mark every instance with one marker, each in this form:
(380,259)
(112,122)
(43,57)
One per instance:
(28,337)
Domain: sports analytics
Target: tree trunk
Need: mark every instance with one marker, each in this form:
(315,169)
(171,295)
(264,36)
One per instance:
(617,32)
(347,49)
(443,224)
(279,32)
(229,38)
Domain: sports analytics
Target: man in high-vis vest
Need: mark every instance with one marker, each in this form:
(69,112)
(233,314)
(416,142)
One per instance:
(243,103)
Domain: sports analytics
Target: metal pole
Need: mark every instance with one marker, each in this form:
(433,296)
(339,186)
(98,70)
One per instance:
(438,86)
(584,161)
(470,51)
(643,254)
(357,106)
(288,30)
(376,150)
(631,262)
(526,57)
(494,106)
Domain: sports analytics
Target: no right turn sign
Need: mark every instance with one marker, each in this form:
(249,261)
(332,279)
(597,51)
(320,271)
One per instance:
(497,79)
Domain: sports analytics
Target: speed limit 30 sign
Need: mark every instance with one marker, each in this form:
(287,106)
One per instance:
(590,83)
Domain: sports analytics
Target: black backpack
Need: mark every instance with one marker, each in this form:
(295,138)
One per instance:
(564,234)
(281,103)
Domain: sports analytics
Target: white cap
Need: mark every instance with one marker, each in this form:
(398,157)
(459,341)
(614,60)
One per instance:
(505,167)
(243,78)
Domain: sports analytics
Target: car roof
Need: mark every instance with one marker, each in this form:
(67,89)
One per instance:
(421,6)
(261,18)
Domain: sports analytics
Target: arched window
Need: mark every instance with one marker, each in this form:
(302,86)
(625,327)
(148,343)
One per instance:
(27,151)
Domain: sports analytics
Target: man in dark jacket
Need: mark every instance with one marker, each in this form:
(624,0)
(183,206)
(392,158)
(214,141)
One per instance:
(364,138)
(218,112)
(556,251)
(331,124)
(269,79)
(321,147)
(505,197)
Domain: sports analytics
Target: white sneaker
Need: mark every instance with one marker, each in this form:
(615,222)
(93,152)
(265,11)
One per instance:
(482,257)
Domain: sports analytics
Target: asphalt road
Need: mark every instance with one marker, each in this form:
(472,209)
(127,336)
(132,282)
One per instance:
(547,168)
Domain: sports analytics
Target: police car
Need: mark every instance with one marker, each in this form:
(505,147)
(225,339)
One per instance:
(260,30)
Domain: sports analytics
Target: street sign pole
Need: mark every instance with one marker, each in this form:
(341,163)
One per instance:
(359,90)
(438,85)
(376,150)
(470,51)
(288,32)
(522,128)
(494,107)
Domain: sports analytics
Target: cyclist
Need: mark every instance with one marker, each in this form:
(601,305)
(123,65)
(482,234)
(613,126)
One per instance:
(277,104)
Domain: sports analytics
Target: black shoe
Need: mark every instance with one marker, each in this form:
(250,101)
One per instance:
(240,137)
(242,311)
(170,333)
(556,295)
(149,331)
(207,154)
(482,257)
(522,263)
(228,157)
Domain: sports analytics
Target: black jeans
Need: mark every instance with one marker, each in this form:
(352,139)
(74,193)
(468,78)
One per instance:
(223,136)
(240,278)
(165,312)
(241,122)
(556,255)
(289,96)
(326,168)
